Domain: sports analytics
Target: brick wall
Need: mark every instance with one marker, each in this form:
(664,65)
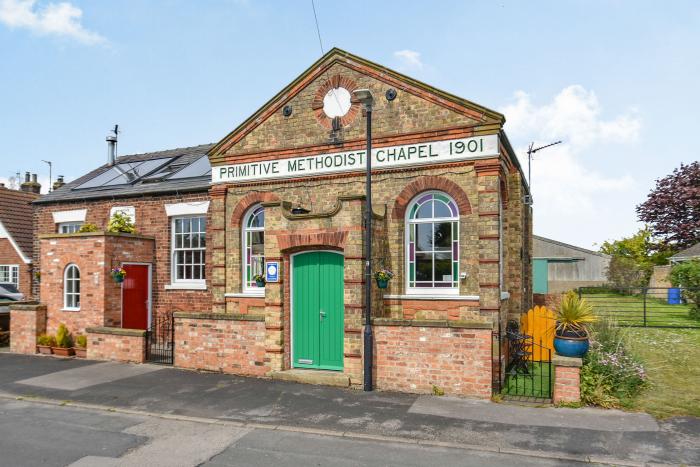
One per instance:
(151,221)
(567,379)
(116,344)
(8,255)
(26,322)
(414,358)
(221,342)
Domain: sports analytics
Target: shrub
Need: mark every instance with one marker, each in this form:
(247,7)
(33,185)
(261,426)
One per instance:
(623,272)
(574,314)
(88,228)
(81,341)
(687,276)
(45,339)
(121,223)
(611,376)
(63,337)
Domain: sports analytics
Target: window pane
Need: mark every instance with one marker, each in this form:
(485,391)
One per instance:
(443,267)
(443,236)
(425,211)
(424,267)
(257,243)
(441,210)
(424,237)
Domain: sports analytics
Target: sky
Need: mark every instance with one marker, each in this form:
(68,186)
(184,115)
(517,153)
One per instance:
(616,81)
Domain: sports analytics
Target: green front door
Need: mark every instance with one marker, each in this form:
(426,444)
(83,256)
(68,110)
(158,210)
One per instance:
(317,310)
(540,276)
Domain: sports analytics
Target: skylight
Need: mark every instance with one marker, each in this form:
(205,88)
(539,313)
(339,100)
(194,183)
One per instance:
(124,173)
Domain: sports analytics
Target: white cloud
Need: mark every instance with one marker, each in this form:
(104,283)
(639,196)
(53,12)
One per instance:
(13,183)
(409,58)
(58,19)
(580,195)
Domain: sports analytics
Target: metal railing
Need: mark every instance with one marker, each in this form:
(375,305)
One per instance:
(160,340)
(527,377)
(654,307)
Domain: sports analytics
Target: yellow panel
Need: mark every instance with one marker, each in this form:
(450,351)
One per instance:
(539,323)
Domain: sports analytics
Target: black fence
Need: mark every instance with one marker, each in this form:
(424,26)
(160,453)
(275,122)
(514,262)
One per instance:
(654,307)
(160,340)
(529,370)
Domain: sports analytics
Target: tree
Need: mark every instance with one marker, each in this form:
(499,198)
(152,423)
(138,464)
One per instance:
(672,208)
(634,255)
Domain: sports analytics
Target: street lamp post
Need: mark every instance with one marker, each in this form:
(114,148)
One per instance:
(366,98)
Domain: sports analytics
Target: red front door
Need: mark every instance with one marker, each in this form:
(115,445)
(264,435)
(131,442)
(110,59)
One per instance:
(135,297)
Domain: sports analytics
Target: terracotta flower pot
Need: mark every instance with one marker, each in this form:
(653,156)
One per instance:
(62,351)
(44,349)
(80,352)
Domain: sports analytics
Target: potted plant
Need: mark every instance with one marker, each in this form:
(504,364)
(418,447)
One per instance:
(44,343)
(80,346)
(64,343)
(571,333)
(259,280)
(383,276)
(118,274)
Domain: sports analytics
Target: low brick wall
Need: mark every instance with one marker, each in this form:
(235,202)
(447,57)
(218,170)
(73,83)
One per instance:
(26,322)
(414,356)
(230,343)
(116,344)
(567,379)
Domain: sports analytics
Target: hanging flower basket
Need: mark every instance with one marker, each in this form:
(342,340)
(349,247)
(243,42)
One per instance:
(259,280)
(383,276)
(118,274)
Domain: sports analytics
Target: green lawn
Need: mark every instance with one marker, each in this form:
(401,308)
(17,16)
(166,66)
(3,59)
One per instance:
(537,385)
(672,360)
(629,310)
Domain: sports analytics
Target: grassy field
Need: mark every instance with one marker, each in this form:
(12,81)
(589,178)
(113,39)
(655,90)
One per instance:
(629,310)
(672,360)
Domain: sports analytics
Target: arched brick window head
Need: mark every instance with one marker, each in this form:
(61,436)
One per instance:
(426,184)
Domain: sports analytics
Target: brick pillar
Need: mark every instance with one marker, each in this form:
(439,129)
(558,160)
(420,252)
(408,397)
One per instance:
(567,379)
(26,322)
(488,184)
(216,233)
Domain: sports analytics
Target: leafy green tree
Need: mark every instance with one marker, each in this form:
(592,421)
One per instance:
(687,276)
(639,250)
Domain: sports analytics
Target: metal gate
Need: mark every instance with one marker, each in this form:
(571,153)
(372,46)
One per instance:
(529,369)
(160,340)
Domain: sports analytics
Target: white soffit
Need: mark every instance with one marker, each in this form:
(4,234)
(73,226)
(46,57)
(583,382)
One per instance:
(77,215)
(183,209)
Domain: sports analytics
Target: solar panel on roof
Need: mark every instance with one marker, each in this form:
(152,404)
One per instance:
(124,173)
(198,168)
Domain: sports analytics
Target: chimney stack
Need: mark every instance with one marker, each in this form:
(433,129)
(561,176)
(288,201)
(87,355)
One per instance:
(30,185)
(58,183)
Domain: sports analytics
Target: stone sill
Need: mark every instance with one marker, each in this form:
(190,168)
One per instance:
(219,316)
(186,286)
(560,360)
(244,295)
(24,306)
(116,331)
(99,233)
(432,323)
(432,297)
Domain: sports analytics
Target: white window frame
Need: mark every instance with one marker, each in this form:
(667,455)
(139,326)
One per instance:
(249,290)
(12,274)
(69,227)
(65,288)
(429,291)
(186,284)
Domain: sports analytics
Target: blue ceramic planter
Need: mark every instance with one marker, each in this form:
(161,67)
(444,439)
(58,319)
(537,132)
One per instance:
(571,346)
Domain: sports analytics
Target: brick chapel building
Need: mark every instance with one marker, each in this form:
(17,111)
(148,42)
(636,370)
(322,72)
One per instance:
(285,203)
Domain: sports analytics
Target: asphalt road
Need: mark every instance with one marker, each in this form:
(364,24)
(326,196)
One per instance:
(36,434)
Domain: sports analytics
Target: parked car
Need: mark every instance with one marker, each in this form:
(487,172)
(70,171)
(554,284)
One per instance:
(8,293)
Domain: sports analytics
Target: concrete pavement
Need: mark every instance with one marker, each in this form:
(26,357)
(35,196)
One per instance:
(483,426)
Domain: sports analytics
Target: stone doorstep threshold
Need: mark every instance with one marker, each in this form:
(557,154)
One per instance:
(309,376)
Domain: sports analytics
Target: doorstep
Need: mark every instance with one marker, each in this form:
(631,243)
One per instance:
(319,377)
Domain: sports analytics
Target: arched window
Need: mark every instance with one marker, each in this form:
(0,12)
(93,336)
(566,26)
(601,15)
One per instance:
(71,287)
(432,244)
(253,247)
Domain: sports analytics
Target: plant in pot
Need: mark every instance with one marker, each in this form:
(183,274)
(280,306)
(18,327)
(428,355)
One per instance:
(44,343)
(64,342)
(80,346)
(118,274)
(383,276)
(259,280)
(571,337)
